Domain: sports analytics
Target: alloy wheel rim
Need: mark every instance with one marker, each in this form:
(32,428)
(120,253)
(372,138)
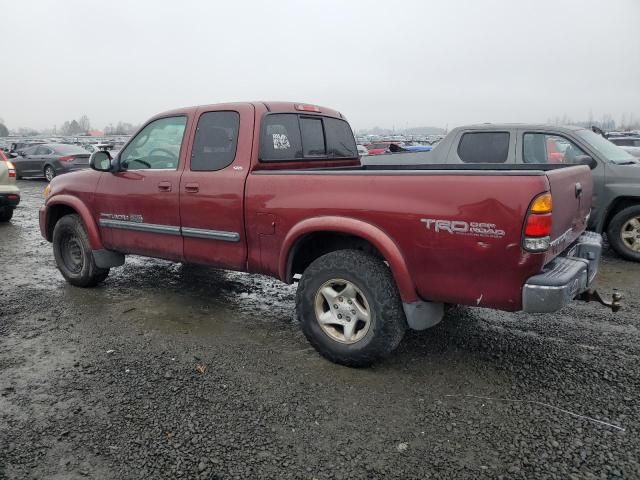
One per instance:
(630,234)
(342,311)
(48,173)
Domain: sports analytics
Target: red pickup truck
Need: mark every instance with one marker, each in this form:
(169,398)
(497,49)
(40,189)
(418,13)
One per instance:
(278,189)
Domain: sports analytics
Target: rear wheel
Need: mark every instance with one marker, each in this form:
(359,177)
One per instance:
(5,214)
(349,308)
(73,253)
(49,173)
(624,233)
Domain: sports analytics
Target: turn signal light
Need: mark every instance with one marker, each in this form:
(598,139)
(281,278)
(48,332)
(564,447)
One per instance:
(542,204)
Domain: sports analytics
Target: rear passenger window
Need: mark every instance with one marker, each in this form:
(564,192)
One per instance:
(281,138)
(312,137)
(214,145)
(484,147)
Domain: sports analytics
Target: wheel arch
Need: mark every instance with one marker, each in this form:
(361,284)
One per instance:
(62,205)
(616,206)
(315,237)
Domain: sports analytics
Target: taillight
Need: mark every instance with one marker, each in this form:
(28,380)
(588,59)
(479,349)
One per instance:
(538,224)
(68,158)
(12,169)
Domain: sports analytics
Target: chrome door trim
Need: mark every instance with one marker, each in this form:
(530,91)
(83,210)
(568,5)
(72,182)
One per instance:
(210,234)
(170,230)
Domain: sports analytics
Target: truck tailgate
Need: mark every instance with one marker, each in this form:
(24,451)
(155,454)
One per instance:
(571,189)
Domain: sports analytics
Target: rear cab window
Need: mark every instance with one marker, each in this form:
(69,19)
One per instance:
(292,136)
(484,147)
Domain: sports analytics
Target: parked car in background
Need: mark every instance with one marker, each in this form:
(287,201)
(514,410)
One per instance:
(362,150)
(50,159)
(9,192)
(16,147)
(616,173)
(409,147)
(378,148)
(628,144)
(96,147)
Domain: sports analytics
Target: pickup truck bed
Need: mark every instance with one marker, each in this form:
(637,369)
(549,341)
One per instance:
(278,189)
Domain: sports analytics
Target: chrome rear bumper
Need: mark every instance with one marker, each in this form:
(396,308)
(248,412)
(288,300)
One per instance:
(565,277)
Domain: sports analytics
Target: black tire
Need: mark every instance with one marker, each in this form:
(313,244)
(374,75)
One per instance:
(5,214)
(615,232)
(49,173)
(73,254)
(373,278)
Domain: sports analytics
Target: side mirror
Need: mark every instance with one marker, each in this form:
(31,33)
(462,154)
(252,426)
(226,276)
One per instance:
(587,160)
(100,161)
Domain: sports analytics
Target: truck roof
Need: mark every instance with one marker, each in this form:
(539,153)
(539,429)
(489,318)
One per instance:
(272,106)
(532,126)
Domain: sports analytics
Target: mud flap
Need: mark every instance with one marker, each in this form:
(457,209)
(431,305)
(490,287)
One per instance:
(422,315)
(107,258)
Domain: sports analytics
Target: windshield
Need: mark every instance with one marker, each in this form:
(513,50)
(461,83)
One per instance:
(604,147)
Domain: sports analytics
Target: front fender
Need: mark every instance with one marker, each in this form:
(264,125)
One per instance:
(81,209)
(374,235)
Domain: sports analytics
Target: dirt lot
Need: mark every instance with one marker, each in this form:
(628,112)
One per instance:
(103,383)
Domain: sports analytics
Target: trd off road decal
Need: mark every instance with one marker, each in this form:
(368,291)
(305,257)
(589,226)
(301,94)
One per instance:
(280,141)
(460,227)
(126,218)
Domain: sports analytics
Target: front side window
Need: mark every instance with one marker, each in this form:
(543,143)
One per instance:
(156,147)
(214,145)
(546,148)
(484,147)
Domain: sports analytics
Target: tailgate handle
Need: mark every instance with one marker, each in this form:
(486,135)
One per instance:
(578,189)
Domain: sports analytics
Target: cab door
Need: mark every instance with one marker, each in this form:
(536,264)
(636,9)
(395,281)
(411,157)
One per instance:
(212,187)
(139,204)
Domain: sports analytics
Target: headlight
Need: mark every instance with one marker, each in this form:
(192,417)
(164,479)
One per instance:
(47,191)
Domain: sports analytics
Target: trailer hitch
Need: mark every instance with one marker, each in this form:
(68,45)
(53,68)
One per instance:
(592,295)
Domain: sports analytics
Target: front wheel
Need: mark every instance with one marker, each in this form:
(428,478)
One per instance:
(624,233)
(349,308)
(49,173)
(5,214)
(73,253)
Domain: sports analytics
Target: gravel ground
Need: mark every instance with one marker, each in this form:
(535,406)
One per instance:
(173,371)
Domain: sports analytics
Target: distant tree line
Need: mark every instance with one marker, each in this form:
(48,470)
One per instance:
(121,128)
(605,122)
(76,127)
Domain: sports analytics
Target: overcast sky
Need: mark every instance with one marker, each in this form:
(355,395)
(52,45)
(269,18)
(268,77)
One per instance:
(393,63)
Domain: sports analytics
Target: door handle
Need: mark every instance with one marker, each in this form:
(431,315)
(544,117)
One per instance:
(164,186)
(192,187)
